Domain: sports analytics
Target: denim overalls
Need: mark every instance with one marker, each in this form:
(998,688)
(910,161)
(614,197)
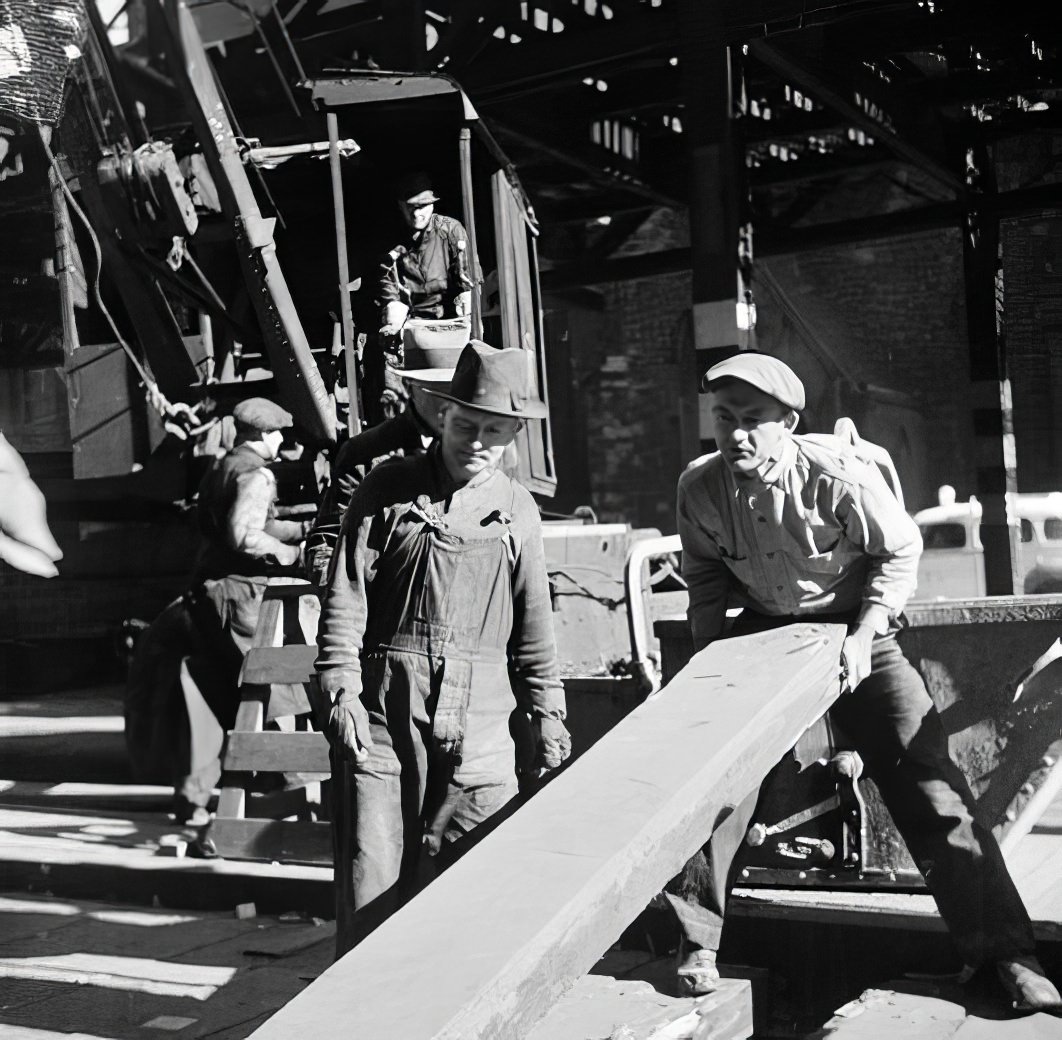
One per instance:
(436,685)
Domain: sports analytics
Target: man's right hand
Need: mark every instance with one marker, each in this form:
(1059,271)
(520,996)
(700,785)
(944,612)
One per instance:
(288,555)
(348,726)
(25,540)
(395,314)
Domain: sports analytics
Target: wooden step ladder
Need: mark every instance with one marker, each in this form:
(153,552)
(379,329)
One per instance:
(278,825)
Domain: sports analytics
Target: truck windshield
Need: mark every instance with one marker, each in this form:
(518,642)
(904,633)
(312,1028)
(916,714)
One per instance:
(943,536)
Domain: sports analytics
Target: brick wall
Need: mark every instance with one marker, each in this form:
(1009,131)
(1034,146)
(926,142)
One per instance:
(888,313)
(1032,298)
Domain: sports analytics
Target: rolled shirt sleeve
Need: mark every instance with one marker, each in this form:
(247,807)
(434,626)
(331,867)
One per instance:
(249,522)
(389,282)
(532,650)
(874,519)
(460,266)
(344,609)
(703,569)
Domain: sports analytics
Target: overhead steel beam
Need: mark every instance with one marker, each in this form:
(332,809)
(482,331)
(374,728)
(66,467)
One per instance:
(1023,202)
(592,161)
(294,367)
(538,64)
(794,71)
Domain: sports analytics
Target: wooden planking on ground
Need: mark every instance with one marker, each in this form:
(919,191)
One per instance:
(883,1014)
(575,865)
(1033,1027)
(599,1006)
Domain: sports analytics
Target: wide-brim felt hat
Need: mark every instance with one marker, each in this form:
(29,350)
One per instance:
(431,349)
(415,189)
(495,381)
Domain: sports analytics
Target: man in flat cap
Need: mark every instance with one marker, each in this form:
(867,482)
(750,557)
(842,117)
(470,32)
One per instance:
(435,629)
(792,528)
(187,663)
(237,500)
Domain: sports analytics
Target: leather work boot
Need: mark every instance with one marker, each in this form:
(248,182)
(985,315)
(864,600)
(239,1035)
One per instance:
(1028,986)
(697,973)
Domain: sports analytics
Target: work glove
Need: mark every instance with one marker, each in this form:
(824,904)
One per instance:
(25,541)
(395,314)
(553,743)
(348,725)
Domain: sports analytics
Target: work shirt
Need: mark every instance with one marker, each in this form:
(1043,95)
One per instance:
(816,531)
(236,508)
(438,593)
(428,270)
(404,434)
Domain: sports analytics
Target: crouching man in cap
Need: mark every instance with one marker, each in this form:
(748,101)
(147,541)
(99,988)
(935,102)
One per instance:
(437,625)
(183,683)
(795,528)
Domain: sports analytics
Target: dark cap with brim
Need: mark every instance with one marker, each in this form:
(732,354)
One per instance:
(764,372)
(415,189)
(494,381)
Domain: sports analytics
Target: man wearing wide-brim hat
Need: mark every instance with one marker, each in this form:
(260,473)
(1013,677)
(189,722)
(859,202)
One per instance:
(802,527)
(436,627)
(429,273)
(410,432)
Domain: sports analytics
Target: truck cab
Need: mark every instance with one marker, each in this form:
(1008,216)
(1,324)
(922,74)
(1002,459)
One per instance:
(952,563)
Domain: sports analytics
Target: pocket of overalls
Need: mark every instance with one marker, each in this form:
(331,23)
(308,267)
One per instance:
(451,707)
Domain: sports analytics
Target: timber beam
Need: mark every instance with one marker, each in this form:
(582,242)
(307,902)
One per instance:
(490,947)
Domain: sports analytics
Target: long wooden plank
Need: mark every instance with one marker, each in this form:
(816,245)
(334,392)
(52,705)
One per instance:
(277,752)
(499,938)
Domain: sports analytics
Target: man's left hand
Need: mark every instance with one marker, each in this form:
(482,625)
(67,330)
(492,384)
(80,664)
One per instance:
(553,744)
(855,655)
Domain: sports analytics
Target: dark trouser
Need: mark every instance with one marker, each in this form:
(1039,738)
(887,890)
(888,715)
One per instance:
(893,724)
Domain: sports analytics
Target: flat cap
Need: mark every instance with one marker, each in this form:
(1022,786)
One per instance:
(764,372)
(261,414)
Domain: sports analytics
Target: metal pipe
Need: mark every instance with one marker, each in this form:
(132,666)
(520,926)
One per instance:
(1034,808)
(465,152)
(353,413)
(266,154)
(65,266)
